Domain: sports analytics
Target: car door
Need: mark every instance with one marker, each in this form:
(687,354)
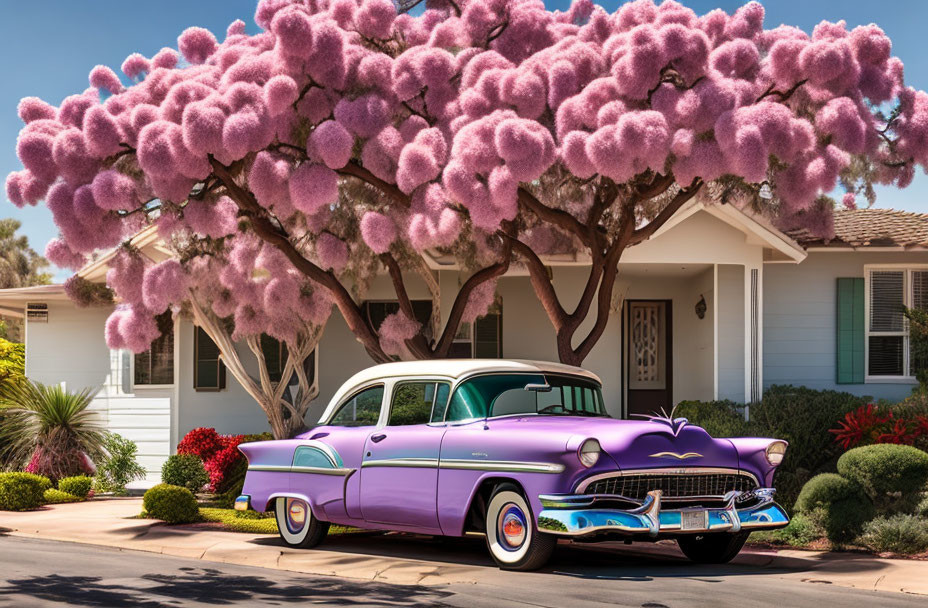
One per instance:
(346,432)
(399,472)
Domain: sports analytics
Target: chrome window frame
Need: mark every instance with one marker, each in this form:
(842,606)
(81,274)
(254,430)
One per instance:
(352,395)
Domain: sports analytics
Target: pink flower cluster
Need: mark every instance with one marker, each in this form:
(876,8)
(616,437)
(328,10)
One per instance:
(480,102)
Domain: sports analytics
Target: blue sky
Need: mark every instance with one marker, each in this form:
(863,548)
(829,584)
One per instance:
(47,49)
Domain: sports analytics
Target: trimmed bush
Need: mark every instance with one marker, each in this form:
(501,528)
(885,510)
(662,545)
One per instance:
(172,504)
(837,504)
(186,471)
(22,491)
(899,533)
(893,476)
(922,508)
(55,497)
(76,486)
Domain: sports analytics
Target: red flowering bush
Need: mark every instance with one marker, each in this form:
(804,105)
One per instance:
(870,424)
(219,453)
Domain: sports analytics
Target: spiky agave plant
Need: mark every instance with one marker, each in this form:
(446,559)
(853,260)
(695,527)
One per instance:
(50,428)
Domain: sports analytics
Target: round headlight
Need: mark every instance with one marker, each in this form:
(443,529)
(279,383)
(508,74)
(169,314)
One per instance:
(775,452)
(589,452)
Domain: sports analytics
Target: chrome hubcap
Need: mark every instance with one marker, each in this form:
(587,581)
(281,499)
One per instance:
(296,515)
(511,527)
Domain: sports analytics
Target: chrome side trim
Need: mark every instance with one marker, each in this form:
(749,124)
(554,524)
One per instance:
(504,466)
(270,468)
(665,471)
(423,463)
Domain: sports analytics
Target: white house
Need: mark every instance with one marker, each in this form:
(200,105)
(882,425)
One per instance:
(716,305)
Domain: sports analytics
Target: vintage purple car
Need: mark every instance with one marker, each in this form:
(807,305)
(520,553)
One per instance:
(522,452)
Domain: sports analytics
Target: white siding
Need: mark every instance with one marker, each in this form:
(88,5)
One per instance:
(731,332)
(800,302)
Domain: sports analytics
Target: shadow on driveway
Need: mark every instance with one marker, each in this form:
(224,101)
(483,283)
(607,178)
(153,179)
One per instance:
(211,586)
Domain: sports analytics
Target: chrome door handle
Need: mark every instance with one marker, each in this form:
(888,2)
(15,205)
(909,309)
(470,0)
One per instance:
(378,437)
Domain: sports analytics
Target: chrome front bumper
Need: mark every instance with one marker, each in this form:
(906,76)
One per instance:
(578,515)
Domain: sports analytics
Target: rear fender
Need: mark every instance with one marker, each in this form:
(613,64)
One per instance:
(318,513)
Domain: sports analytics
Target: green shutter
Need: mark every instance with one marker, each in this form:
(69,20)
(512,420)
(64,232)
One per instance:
(850,331)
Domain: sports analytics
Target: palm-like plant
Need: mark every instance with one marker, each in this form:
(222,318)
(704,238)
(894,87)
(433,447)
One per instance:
(50,428)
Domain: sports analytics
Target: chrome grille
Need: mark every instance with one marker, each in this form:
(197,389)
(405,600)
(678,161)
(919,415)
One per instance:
(685,485)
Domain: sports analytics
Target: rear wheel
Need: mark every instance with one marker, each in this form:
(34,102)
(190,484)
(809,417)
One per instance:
(296,524)
(719,548)
(512,539)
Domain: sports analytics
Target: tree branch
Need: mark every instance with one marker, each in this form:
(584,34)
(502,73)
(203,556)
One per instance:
(418,344)
(538,275)
(558,217)
(783,95)
(353,169)
(644,233)
(489,273)
(273,234)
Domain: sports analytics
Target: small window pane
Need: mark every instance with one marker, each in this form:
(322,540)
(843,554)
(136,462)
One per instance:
(156,365)
(361,410)
(920,290)
(413,403)
(886,300)
(275,356)
(441,402)
(886,355)
(209,373)
(487,334)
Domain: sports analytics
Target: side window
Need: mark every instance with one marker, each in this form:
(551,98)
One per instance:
(418,403)
(363,409)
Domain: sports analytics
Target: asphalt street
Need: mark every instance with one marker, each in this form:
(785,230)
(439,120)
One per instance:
(50,573)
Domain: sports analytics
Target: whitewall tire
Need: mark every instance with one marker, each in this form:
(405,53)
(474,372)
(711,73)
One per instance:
(512,539)
(296,524)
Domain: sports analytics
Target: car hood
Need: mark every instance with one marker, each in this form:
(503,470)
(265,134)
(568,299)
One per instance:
(637,444)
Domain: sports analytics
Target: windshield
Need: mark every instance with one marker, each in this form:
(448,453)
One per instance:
(507,394)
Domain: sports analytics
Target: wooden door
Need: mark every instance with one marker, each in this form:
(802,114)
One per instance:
(648,357)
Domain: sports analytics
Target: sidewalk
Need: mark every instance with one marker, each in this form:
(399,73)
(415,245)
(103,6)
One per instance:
(409,559)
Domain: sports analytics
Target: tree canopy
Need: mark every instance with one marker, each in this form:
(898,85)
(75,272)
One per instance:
(347,139)
(20,265)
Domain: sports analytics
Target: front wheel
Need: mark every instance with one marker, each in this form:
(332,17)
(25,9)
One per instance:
(296,524)
(718,548)
(512,539)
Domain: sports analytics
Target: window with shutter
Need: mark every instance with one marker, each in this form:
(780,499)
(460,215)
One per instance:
(209,373)
(851,331)
(156,365)
(890,292)
(275,356)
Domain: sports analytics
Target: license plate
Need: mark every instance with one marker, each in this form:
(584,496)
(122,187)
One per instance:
(694,520)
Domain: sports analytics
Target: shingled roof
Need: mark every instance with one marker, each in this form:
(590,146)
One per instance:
(871,228)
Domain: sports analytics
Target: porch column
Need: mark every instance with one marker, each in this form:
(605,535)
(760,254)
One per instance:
(753,332)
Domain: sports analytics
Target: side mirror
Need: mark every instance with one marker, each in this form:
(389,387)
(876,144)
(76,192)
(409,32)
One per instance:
(538,388)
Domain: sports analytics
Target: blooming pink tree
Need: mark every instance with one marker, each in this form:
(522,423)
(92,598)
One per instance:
(353,138)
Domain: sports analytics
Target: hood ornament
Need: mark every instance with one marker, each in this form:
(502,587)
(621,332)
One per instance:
(676,455)
(676,424)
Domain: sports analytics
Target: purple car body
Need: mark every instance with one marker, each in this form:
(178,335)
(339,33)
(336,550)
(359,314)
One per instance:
(581,474)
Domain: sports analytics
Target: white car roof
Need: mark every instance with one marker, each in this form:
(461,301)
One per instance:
(452,369)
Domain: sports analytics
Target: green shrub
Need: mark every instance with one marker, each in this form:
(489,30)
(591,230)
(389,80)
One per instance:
(799,415)
(250,522)
(899,533)
(118,467)
(173,504)
(893,476)
(802,530)
(719,418)
(922,508)
(185,470)
(837,504)
(76,486)
(22,491)
(52,496)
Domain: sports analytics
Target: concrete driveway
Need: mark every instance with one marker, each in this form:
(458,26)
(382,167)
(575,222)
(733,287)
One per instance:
(577,572)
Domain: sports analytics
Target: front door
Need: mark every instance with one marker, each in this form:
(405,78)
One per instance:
(399,473)
(648,357)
